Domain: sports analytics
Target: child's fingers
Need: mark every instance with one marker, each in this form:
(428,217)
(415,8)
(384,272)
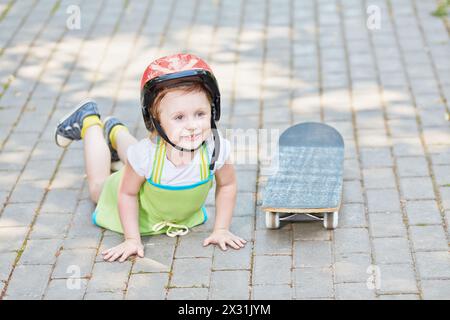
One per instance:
(115,256)
(206,242)
(232,244)
(108,255)
(238,242)
(125,256)
(223,245)
(106,251)
(141,252)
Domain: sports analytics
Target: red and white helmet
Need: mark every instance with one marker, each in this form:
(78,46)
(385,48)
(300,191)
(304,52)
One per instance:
(173,70)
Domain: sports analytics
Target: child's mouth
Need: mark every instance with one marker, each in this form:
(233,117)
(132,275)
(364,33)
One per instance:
(192,137)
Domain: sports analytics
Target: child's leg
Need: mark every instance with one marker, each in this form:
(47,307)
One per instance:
(97,159)
(124,139)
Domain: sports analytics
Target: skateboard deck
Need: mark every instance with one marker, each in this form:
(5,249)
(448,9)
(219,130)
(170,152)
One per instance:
(309,178)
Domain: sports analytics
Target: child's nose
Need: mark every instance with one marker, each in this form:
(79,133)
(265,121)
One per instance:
(192,124)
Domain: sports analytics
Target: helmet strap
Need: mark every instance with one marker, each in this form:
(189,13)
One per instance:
(216,151)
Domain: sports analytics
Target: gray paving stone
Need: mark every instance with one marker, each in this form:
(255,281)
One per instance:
(199,270)
(403,128)
(147,286)
(306,280)
(312,254)
(246,181)
(28,282)
(51,226)
(352,268)
(379,178)
(245,204)
(436,289)
(18,214)
(243,227)
(41,251)
(191,246)
(433,265)
(66,289)
(352,216)
(436,135)
(39,170)
(352,192)
(385,200)
(68,260)
(397,278)
(272,292)
(60,201)
(28,191)
(109,276)
(387,225)
(439,154)
(187,294)
(273,242)
(372,138)
(272,270)
(13,161)
(66,178)
(442,175)
(428,238)
(403,147)
(354,240)
(412,167)
(82,242)
(232,259)
(9,178)
(392,250)
(417,188)
(7,259)
(12,238)
(354,291)
(376,157)
(351,170)
(220,285)
(423,212)
(310,231)
(157,258)
(445,197)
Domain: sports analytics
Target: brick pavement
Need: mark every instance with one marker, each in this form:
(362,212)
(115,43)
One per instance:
(278,62)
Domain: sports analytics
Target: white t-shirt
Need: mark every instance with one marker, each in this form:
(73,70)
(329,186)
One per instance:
(140,157)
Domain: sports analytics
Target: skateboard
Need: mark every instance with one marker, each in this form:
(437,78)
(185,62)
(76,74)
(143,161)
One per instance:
(309,177)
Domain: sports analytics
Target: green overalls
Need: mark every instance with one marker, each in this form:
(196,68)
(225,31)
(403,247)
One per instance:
(162,208)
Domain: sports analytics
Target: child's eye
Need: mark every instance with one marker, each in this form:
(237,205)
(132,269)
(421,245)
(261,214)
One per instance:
(201,114)
(179,117)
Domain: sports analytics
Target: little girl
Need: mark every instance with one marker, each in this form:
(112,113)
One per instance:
(166,177)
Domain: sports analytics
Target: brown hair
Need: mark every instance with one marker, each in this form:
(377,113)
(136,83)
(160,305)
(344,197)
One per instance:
(185,87)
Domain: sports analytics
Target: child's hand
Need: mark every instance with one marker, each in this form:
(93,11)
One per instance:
(124,250)
(222,237)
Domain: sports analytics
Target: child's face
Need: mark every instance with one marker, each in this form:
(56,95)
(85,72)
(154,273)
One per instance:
(186,117)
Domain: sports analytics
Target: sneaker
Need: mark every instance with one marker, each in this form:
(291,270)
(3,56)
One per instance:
(69,127)
(109,124)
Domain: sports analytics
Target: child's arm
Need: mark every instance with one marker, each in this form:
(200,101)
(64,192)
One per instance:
(129,217)
(226,188)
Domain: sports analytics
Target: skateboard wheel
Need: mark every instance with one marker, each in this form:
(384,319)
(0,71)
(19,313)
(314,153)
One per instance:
(330,220)
(272,220)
